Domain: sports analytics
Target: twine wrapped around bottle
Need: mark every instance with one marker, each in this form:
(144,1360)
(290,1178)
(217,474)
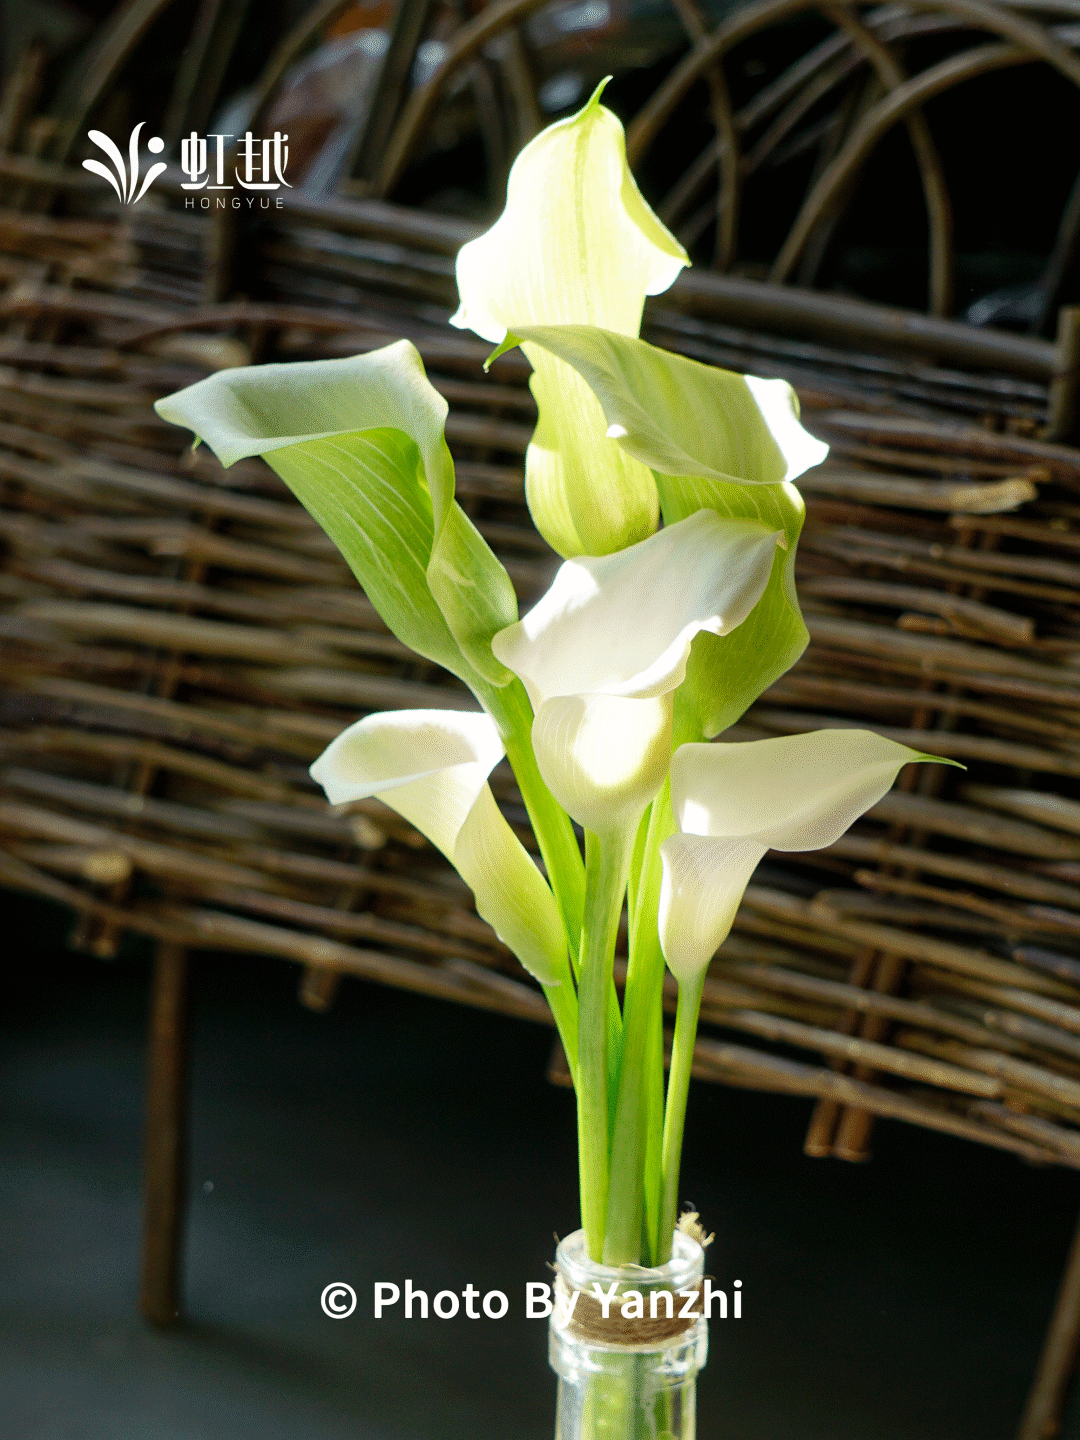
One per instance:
(629,1306)
(603,1322)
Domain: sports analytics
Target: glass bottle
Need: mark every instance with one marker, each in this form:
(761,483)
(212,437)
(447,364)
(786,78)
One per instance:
(632,1374)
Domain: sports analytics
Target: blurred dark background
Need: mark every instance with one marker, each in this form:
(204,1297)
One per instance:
(394,1137)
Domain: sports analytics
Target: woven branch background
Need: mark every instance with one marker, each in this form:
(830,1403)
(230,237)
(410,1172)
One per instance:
(178,642)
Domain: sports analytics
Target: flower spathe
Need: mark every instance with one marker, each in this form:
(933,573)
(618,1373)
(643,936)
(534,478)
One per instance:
(575,245)
(603,757)
(680,417)
(733,802)
(601,653)
(360,441)
(432,767)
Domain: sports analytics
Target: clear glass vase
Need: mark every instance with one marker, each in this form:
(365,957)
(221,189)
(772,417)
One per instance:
(630,1374)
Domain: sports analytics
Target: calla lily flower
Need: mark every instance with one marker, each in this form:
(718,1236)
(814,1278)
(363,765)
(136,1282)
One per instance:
(601,653)
(680,417)
(432,767)
(734,802)
(360,442)
(575,245)
(713,439)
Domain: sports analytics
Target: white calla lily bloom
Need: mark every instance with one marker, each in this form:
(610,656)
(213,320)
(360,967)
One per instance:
(576,244)
(601,653)
(432,767)
(733,802)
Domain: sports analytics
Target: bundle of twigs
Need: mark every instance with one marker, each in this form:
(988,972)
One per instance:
(178,642)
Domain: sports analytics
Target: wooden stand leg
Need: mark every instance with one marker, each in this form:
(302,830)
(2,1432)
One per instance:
(1065,387)
(165,1142)
(1057,1363)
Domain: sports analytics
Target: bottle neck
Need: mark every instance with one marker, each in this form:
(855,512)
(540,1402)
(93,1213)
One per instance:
(628,1306)
(626,1356)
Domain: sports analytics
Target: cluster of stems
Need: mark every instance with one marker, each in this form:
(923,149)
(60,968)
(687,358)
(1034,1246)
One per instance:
(629,1134)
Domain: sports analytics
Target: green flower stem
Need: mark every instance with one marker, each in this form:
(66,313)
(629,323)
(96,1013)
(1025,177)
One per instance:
(623,1229)
(682,1059)
(551,824)
(562,1000)
(641,1073)
(565,870)
(607,860)
(637,869)
(654,1139)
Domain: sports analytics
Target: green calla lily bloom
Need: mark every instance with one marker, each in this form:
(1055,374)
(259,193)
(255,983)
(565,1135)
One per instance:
(713,440)
(360,443)
(680,417)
